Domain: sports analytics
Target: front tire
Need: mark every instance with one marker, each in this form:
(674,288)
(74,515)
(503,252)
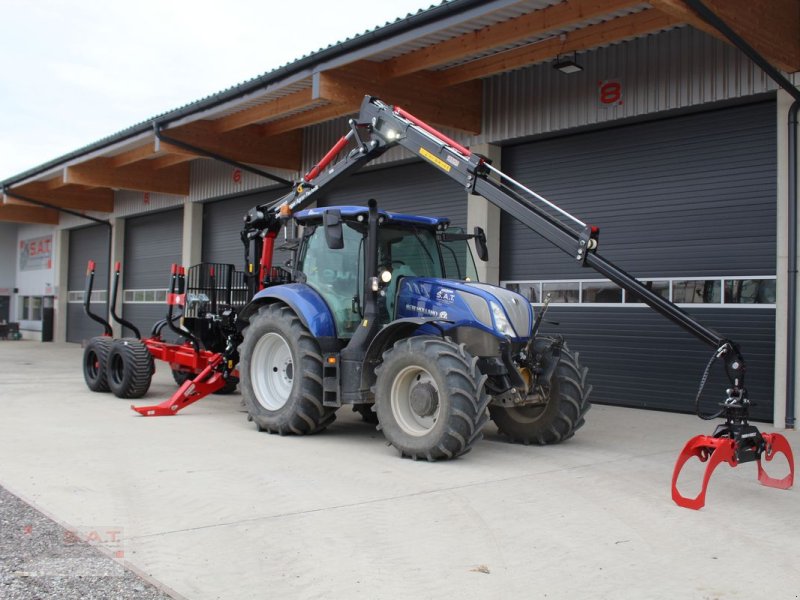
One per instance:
(129,368)
(281,374)
(95,357)
(430,398)
(563,414)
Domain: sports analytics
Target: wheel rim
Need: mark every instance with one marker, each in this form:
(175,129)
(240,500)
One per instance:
(415,401)
(92,364)
(116,368)
(272,371)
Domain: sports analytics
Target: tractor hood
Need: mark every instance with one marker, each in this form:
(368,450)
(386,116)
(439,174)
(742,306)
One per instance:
(497,310)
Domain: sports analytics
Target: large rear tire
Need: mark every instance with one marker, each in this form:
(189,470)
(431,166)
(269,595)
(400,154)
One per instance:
(95,357)
(563,413)
(129,368)
(430,398)
(281,374)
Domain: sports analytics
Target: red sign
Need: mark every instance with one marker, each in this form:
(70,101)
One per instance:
(609,92)
(146,198)
(237,175)
(36,253)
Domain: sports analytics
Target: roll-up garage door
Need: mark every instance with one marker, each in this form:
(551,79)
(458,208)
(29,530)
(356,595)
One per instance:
(152,244)
(88,243)
(415,188)
(222,225)
(687,203)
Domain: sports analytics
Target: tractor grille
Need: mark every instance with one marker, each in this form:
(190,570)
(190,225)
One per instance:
(516,306)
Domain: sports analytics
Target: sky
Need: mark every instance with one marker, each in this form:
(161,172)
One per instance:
(76,71)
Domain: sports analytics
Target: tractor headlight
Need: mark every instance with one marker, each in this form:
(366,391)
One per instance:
(501,323)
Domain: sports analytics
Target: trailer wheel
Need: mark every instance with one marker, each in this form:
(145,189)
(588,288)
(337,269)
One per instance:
(430,398)
(561,416)
(281,374)
(95,357)
(129,368)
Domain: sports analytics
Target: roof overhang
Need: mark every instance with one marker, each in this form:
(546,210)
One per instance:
(433,64)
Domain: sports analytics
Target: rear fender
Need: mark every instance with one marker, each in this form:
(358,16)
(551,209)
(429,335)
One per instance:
(307,304)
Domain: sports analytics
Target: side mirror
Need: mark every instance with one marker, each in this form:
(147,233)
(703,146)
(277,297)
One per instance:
(334,236)
(480,244)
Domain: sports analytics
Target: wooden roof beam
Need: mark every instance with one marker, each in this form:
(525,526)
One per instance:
(17,213)
(615,30)
(141,176)
(247,144)
(269,110)
(505,32)
(771,27)
(68,196)
(309,117)
(458,107)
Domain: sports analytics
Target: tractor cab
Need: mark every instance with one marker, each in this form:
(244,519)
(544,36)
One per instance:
(331,258)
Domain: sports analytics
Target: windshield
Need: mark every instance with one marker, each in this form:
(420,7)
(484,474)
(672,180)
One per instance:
(457,258)
(411,250)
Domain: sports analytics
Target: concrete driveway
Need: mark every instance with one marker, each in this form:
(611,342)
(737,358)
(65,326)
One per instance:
(211,508)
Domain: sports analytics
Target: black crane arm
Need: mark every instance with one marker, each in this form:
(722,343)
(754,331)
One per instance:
(381,126)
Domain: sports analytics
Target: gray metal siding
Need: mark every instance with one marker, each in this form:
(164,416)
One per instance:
(688,196)
(85,244)
(692,195)
(222,224)
(637,358)
(415,188)
(212,179)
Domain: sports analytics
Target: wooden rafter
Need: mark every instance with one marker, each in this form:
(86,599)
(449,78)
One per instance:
(458,107)
(506,32)
(615,30)
(247,144)
(17,213)
(269,110)
(309,117)
(68,196)
(772,27)
(141,176)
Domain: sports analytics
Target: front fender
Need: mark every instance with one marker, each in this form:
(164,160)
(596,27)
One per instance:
(307,304)
(388,336)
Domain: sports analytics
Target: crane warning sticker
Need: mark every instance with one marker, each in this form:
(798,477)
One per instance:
(435,160)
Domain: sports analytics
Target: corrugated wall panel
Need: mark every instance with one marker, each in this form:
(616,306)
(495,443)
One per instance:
(637,358)
(667,195)
(212,179)
(676,69)
(128,203)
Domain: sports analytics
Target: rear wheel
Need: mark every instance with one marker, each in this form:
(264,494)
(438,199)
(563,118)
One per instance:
(562,412)
(430,398)
(281,374)
(129,368)
(95,357)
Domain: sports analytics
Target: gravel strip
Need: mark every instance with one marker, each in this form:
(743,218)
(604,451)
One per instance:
(41,559)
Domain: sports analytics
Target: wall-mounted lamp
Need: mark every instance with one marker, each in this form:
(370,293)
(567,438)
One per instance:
(567,65)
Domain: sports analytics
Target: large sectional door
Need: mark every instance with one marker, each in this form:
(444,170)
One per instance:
(87,243)
(688,203)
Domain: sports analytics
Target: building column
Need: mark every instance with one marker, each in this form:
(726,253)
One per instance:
(117,255)
(781,272)
(192,249)
(482,213)
(61,283)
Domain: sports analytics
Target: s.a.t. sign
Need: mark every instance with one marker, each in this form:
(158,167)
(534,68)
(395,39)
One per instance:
(36,253)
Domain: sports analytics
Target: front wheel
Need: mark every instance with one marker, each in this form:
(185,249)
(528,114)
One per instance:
(563,406)
(430,398)
(281,374)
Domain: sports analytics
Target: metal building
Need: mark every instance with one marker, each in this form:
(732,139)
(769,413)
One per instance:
(640,117)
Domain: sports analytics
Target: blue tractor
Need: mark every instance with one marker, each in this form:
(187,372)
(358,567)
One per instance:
(384,312)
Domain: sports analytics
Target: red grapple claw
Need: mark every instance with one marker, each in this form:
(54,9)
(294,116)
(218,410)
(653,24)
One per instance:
(706,448)
(776,444)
